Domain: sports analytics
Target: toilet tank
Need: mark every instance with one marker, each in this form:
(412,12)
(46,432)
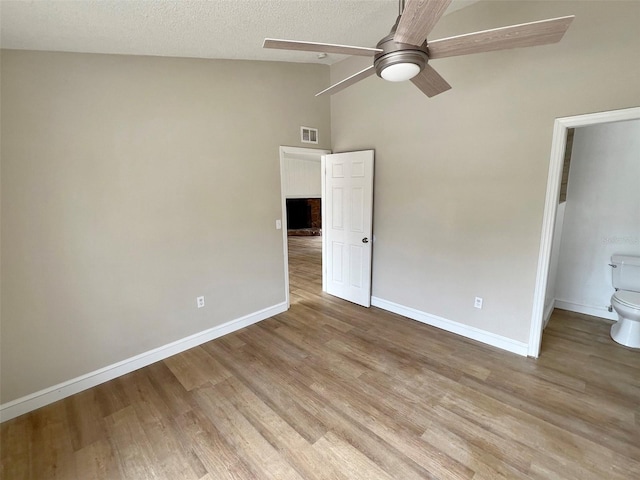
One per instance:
(626,273)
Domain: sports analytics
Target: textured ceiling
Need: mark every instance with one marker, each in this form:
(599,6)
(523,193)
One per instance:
(202,29)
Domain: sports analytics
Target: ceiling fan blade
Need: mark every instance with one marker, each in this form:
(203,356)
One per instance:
(515,36)
(319,47)
(418,19)
(430,82)
(347,82)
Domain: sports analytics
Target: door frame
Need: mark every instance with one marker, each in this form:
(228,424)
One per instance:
(560,128)
(316,153)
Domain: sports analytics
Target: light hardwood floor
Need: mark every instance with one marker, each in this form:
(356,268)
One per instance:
(329,390)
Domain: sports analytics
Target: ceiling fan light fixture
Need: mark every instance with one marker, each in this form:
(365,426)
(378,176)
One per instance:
(400,65)
(400,72)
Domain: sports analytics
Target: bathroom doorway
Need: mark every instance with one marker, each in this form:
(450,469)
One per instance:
(553,213)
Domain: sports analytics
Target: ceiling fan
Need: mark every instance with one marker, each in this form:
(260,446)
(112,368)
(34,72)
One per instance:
(404,54)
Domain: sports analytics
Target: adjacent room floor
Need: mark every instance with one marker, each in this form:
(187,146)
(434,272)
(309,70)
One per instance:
(330,390)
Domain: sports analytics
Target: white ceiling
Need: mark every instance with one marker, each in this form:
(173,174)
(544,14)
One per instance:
(203,29)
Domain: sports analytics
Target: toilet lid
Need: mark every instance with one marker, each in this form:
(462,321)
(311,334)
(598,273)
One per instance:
(630,299)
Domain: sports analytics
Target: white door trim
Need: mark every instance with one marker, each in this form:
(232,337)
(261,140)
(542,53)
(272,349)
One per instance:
(323,174)
(558,144)
(295,152)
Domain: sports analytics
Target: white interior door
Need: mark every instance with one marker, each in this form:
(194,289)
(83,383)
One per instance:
(347,225)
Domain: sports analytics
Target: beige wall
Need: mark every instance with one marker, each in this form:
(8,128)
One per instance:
(461,178)
(131,185)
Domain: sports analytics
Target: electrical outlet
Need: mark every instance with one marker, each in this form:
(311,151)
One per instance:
(200,302)
(478,302)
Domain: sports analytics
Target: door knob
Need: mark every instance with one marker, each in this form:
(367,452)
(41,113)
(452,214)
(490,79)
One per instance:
(365,240)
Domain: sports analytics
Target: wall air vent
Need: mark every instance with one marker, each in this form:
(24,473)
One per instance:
(308,135)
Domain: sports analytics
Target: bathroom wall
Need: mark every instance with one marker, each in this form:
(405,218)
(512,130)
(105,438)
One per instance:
(602,215)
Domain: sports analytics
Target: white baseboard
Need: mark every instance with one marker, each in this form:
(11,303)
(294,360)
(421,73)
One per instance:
(52,394)
(454,327)
(592,310)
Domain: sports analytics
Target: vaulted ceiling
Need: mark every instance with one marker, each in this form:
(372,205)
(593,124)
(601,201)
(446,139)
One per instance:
(231,29)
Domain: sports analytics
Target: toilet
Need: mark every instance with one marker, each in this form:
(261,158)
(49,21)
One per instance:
(626,300)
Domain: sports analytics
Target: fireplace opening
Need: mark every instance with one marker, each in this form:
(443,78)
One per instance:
(304,216)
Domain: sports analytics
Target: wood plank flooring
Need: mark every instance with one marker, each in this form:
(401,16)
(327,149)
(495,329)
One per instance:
(330,390)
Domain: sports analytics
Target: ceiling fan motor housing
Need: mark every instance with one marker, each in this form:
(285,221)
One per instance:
(394,53)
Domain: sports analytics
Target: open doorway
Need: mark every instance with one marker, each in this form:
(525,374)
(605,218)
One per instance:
(345,188)
(302,198)
(561,129)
